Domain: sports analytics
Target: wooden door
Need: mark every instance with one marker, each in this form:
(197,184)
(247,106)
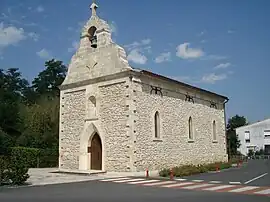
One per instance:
(96,153)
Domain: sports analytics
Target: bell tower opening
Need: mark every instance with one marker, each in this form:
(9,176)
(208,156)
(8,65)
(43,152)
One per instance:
(92,36)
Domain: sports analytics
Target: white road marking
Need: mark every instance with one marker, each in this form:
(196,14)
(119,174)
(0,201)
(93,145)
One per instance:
(112,179)
(197,180)
(266,191)
(197,186)
(180,179)
(144,181)
(218,187)
(128,180)
(215,182)
(256,178)
(234,182)
(244,189)
(160,183)
(178,184)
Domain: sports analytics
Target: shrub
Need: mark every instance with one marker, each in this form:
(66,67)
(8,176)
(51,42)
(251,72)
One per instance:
(28,155)
(164,172)
(234,160)
(186,170)
(3,170)
(48,158)
(19,162)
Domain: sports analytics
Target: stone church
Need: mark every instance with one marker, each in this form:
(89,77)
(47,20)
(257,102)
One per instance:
(114,117)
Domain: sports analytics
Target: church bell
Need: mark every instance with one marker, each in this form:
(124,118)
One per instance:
(93,41)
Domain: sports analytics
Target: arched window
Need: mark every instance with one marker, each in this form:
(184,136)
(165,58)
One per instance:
(92,99)
(214,131)
(190,128)
(157,125)
(92,103)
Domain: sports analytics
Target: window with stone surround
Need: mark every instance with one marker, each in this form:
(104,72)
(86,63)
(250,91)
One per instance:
(92,111)
(157,125)
(214,131)
(190,129)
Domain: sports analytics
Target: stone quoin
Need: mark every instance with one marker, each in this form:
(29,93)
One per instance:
(114,117)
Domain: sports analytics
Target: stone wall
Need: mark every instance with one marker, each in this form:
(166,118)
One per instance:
(113,121)
(174,148)
(72,114)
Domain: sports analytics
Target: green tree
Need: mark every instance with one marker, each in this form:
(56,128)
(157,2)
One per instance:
(41,116)
(12,86)
(5,142)
(41,121)
(47,81)
(232,138)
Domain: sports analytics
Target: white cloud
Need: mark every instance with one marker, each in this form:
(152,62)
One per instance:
(148,49)
(40,9)
(231,31)
(146,41)
(213,78)
(10,35)
(163,57)
(137,57)
(74,46)
(34,36)
(185,52)
(43,53)
(222,65)
(136,44)
(137,51)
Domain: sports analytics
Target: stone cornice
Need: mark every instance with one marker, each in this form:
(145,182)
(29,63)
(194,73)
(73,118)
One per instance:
(95,80)
(139,73)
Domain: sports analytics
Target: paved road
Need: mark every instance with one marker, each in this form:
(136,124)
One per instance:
(255,172)
(108,191)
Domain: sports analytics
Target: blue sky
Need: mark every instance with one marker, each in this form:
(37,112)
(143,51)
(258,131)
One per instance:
(221,46)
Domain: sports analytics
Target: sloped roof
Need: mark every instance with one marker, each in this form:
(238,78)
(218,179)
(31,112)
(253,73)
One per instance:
(149,73)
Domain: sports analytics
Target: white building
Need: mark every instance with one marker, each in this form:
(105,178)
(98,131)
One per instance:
(114,117)
(254,137)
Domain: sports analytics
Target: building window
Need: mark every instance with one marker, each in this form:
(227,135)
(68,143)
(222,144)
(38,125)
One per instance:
(214,131)
(267,134)
(92,107)
(190,129)
(157,125)
(247,136)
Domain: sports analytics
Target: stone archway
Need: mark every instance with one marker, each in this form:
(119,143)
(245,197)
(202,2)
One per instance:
(90,133)
(95,152)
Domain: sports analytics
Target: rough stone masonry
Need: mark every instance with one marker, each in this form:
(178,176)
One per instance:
(143,120)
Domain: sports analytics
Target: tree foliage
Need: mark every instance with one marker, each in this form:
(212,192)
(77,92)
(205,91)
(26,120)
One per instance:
(232,138)
(29,113)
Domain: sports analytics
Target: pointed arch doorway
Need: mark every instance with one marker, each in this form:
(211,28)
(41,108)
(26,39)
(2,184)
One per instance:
(96,153)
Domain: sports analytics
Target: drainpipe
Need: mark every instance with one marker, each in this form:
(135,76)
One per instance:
(225,123)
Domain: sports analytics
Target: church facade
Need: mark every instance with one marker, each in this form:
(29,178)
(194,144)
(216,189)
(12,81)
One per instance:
(114,117)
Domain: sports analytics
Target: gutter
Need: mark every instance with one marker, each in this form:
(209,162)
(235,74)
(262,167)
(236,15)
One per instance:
(226,101)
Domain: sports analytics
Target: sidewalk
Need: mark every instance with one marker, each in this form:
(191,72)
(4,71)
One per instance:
(45,176)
